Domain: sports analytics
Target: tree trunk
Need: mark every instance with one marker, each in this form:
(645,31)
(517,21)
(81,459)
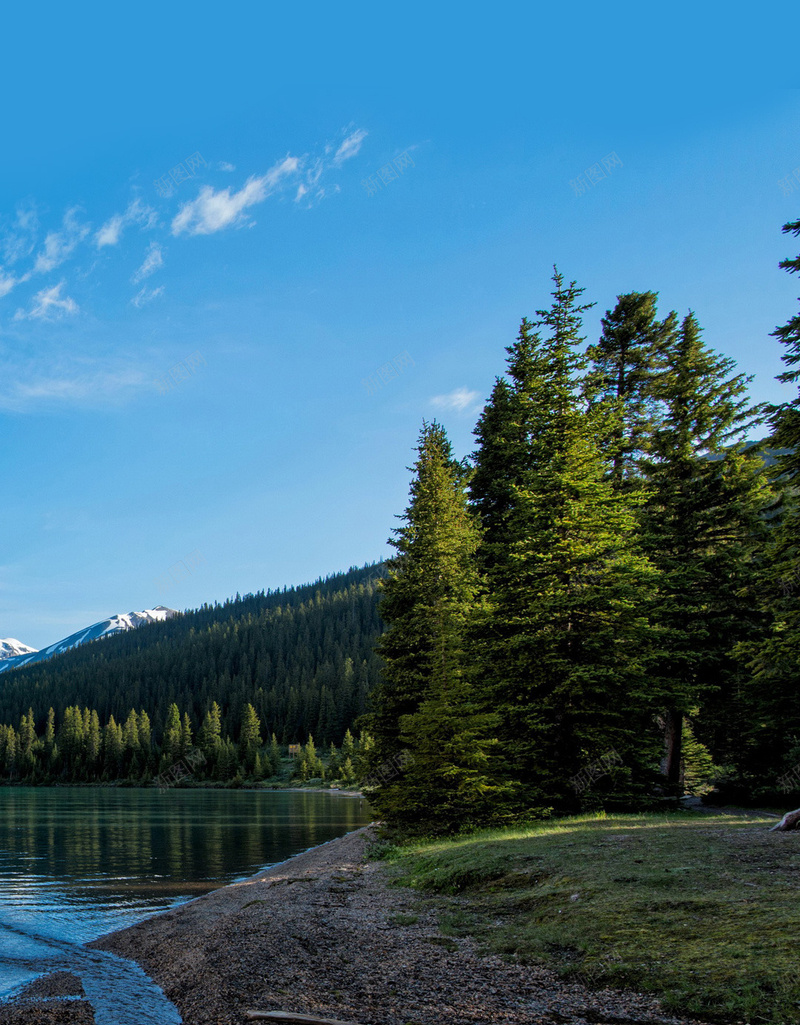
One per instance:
(674,745)
(791,820)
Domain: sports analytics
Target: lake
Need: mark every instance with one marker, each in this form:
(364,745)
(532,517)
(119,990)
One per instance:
(80,862)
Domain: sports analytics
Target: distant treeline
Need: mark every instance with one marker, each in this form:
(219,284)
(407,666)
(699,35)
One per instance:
(79,749)
(302,657)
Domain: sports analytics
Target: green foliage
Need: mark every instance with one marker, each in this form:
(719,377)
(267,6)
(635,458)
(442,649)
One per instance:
(770,696)
(433,744)
(703,529)
(559,644)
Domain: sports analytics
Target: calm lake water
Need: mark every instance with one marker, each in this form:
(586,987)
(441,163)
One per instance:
(77,863)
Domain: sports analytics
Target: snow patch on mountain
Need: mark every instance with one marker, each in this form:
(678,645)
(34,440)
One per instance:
(10,646)
(114,624)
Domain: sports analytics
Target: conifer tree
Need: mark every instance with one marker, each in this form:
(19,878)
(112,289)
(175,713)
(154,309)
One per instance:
(702,526)
(130,731)
(171,742)
(113,747)
(93,744)
(427,719)
(249,736)
(771,744)
(274,756)
(561,641)
(50,731)
(145,732)
(624,368)
(211,731)
(186,734)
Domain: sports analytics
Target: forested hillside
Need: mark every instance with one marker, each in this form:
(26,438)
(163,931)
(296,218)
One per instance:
(302,657)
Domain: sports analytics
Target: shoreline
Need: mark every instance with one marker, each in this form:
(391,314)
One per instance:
(324,933)
(118,785)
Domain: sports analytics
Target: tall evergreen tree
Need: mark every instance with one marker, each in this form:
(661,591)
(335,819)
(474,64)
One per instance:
(566,581)
(171,741)
(249,736)
(624,368)
(771,744)
(211,731)
(428,721)
(702,525)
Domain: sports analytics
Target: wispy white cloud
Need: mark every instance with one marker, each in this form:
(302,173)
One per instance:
(152,261)
(59,245)
(146,295)
(350,147)
(28,387)
(223,165)
(461,400)
(137,213)
(9,282)
(18,241)
(214,210)
(48,305)
(109,234)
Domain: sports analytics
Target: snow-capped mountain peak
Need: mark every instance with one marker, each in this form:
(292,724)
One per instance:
(114,624)
(10,646)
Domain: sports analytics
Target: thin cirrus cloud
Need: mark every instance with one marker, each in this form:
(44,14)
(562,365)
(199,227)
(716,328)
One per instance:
(59,245)
(8,282)
(146,295)
(211,211)
(23,387)
(19,240)
(214,210)
(48,304)
(152,262)
(138,212)
(461,400)
(350,147)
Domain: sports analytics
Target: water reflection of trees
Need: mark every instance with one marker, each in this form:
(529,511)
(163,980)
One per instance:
(104,845)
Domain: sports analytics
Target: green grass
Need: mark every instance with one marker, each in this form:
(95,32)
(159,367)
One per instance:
(702,911)
(401,919)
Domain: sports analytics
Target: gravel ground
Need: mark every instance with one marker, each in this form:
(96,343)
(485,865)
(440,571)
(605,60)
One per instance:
(38,1004)
(319,934)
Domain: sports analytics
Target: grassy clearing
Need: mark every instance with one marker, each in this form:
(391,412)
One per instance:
(702,910)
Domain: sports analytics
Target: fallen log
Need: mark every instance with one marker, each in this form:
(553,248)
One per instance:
(293,1019)
(789,821)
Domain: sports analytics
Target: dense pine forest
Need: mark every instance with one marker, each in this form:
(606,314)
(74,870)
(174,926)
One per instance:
(299,662)
(600,607)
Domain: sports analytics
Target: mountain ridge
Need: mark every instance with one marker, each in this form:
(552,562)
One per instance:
(22,654)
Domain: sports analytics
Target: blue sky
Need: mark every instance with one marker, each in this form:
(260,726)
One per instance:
(244,252)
